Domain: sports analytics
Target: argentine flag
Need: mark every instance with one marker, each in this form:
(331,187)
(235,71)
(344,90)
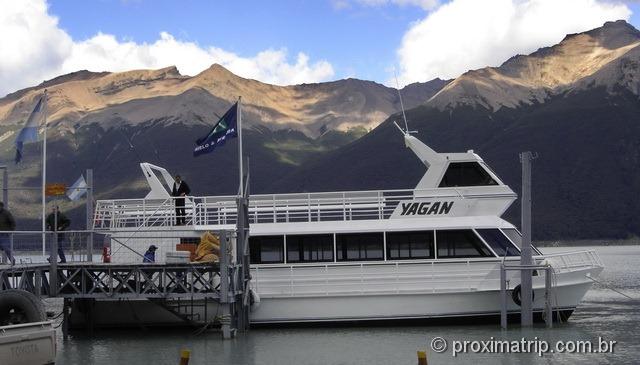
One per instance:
(78,189)
(29,133)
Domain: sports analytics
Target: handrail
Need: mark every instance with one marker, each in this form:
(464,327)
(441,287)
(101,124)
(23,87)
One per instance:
(420,276)
(274,208)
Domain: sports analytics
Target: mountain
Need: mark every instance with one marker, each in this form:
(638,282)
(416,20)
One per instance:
(134,97)
(112,121)
(604,57)
(576,104)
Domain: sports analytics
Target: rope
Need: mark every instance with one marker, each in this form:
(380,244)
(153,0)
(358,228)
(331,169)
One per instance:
(611,288)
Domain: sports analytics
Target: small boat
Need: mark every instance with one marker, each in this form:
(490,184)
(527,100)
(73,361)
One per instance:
(28,344)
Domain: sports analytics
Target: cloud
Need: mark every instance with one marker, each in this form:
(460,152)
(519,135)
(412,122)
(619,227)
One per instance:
(470,34)
(34,48)
(31,44)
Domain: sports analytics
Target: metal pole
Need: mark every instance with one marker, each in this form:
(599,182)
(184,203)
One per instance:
(241,172)
(224,285)
(503,297)
(5,186)
(53,258)
(44,173)
(89,205)
(526,318)
(547,297)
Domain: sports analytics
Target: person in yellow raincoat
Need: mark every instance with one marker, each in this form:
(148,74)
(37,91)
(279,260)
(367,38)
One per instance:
(209,248)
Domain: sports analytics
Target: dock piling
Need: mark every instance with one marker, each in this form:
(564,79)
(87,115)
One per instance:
(185,355)
(422,358)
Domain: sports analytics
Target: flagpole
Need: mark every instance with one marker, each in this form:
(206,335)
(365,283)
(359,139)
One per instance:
(241,189)
(44,175)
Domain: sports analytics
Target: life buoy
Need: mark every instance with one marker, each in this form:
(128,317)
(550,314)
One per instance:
(19,306)
(516,295)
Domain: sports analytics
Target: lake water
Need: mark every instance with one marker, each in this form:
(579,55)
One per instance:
(603,313)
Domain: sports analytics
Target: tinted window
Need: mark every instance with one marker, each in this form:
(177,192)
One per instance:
(516,238)
(460,243)
(410,245)
(310,248)
(498,242)
(466,174)
(266,249)
(359,246)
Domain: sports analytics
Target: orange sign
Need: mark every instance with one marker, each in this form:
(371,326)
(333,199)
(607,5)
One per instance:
(55,189)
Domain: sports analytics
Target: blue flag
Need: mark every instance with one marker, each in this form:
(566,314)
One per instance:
(29,133)
(78,189)
(225,128)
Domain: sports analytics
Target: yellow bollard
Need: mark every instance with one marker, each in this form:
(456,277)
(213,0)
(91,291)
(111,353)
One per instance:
(422,358)
(184,357)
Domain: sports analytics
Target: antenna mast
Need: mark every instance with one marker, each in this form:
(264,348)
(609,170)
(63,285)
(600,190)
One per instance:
(404,116)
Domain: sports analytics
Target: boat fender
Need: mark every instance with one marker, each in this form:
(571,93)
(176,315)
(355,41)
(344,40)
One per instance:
(19,306)
(254,299)
(515,295)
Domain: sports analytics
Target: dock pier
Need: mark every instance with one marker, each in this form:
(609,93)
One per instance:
(183,290)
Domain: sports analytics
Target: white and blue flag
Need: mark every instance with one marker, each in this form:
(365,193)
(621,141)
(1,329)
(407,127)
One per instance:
(29,133)
(78,189)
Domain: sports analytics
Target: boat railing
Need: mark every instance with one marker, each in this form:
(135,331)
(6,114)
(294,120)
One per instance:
(568,261)
(276,208)
(398,277)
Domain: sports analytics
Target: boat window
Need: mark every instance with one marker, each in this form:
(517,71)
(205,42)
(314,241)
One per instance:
(498,242)
(410,245)
(266,249)
(516,238)
(460,243)
(466,174)
(310,248)
(359,246)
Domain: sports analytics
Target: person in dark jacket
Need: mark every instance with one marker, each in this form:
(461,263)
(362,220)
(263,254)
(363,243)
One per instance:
(61,224)
(7,223)
(150,255)
(180,190)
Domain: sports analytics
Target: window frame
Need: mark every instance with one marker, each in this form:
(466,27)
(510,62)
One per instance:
(474,233)
(340,250)
(517,249)
(282,250)
(330,244)
(482,167)
(431,246)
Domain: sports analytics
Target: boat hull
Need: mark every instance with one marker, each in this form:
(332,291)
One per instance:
(467,307)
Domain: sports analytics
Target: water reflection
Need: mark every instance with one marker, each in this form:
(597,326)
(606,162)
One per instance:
(603,313)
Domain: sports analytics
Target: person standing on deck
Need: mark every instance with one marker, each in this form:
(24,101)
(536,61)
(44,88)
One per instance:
(62,224)
(180,190)
(7,223)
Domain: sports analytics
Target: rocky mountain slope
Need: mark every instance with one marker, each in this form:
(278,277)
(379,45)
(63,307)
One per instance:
(113,121)
(575,103)
(604,57)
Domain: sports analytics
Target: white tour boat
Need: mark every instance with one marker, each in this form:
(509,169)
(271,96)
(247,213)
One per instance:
(432,252)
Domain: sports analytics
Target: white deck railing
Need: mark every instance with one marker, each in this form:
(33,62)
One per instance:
(277,208)
(429,276)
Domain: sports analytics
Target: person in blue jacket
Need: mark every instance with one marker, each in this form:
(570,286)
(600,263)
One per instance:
(150,255)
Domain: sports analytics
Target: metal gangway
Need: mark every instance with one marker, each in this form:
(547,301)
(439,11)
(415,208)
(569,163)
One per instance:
(173,286)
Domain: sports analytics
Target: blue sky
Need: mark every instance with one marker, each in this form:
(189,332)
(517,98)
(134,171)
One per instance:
(360,40)
(286,41)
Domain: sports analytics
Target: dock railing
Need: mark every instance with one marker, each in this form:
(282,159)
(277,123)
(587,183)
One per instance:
(275,208)
(27,246)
